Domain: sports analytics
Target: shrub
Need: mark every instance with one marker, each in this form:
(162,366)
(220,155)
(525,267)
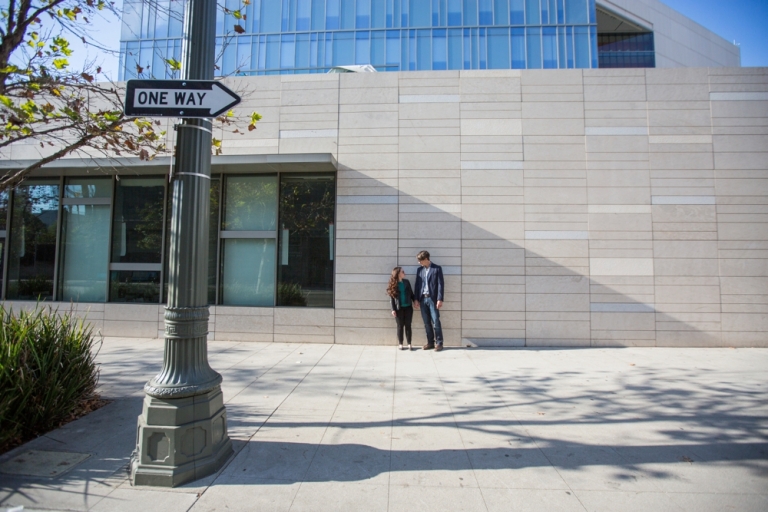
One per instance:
(47,371)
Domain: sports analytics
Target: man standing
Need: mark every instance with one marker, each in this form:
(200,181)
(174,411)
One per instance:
(429,290)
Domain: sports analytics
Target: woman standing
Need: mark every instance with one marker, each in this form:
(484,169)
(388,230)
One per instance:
(401,299)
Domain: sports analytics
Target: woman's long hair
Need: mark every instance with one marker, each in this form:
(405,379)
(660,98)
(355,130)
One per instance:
(393,279)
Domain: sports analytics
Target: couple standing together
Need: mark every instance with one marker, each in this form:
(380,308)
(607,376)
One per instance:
(428,298)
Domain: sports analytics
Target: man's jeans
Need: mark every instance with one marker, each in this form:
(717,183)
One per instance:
(431,315)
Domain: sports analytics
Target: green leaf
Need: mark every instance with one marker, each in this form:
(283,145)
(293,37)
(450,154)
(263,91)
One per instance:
(173,64)
(60,63)
(237,15)
(5,100)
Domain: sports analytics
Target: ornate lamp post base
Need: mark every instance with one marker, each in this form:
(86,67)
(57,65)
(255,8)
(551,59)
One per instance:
(180,439)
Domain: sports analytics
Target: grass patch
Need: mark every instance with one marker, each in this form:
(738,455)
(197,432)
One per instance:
(48,372)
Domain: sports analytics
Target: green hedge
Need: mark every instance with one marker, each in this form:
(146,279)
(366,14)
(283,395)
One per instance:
(47,371)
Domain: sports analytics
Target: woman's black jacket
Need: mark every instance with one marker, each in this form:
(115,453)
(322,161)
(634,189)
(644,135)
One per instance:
(394,302)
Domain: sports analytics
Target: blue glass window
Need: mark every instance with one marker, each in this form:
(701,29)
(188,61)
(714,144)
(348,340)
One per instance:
(424,58)
(517,12)
(482,44)
(470,12)
(270,16)
(500,12)
(332,16)
(303,14)
(560,12)
(302,51)
(318,14)
(435,13)
(363,14)
(273,51)
(393,47)
(486,12)
(544,12)
(576,12)
(439,49)
(549,47)
(454,48)
(467,49)
(391,13)
(287,51)
(378,49)
(286,18)
(498,48)
(533,43)
(592,12)
(363,48)
(347,14)
(378,14)
(569,46)
(421,13)
(412,50)
(244,49)
(581,46)
(454,13)
(343,49)
(532,12)
(518,48)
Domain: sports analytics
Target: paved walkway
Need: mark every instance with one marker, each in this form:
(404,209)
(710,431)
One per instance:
(334,427)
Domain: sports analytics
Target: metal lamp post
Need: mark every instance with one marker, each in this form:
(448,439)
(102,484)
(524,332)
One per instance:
(182,431)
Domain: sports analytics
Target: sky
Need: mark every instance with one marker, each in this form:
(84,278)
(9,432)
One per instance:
(742,21)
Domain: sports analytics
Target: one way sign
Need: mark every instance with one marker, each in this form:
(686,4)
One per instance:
(178,98)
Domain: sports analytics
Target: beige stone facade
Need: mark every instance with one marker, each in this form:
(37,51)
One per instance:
(567,208)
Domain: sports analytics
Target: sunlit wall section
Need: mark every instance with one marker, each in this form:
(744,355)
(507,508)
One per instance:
(310,36)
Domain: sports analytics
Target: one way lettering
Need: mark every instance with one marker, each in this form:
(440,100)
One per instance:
(188,98)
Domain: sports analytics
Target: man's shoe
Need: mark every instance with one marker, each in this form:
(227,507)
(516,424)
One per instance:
(439,347)
(428,346)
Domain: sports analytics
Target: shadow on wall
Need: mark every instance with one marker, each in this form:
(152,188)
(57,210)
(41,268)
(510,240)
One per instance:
(555,290)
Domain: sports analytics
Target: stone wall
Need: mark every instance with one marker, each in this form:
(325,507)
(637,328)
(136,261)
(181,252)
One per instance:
(567,208)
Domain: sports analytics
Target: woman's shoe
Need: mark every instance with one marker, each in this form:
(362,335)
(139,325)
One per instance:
(402,347)
(410,347)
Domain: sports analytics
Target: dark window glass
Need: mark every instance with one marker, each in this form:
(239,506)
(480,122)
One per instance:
(3,209)
(32,255)
(306,241)
(631,50)
(137,228)
(137,240)
(134,286)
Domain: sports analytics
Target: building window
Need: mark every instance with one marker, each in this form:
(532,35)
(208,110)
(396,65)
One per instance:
(137,240)
(306,241)
(85,239)
(3,232)
(631,50)
(249,230)
(32,251)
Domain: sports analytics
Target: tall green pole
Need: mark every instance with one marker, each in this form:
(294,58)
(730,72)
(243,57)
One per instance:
(182,433)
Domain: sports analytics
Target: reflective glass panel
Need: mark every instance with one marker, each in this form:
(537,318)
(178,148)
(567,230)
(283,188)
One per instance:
(498,48)
(85,258)
(32,251)
(306,241)
(137,228)
(250,203)
(134,286)
(248,272)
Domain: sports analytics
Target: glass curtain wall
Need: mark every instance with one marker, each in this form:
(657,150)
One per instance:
(271,240)
(311,36)
(85,239)
(32,251)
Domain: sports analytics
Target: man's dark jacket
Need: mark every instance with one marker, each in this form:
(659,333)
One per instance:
(434,282)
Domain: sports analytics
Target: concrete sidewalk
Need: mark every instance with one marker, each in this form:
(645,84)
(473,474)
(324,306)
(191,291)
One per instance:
(335,427)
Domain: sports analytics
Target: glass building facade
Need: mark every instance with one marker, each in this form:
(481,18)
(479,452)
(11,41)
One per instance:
(100,239)
(269,37)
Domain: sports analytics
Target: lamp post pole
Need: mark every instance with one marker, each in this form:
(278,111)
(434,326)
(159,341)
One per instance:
(182,430)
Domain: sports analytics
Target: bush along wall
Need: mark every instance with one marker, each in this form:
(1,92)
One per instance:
(48,371)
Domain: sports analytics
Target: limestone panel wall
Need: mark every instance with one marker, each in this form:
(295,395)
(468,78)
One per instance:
(567,207)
